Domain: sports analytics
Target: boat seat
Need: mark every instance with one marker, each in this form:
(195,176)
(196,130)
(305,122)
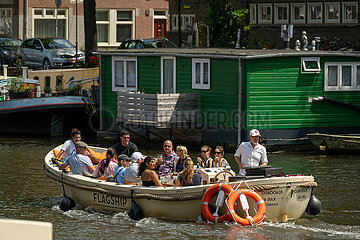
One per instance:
(130,183)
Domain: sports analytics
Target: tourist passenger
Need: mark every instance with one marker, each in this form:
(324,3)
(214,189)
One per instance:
(106,167)
(123,162)
(125,146)
(251,153)
(167,164)
(68,147)
(148,174)
(182,154)
(131,172)
(205,160)
(79,162)
(219,159)
(188,177)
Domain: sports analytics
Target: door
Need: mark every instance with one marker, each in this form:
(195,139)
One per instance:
(159,27)
(168,75)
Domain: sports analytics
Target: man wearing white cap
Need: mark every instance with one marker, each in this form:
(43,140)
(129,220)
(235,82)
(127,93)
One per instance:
(131,172)
(251,153)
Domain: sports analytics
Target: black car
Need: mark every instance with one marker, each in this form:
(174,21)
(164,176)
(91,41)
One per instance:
(147,43)
(8,49)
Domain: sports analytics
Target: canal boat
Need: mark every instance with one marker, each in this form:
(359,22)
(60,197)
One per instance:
(286,197)
(336,143)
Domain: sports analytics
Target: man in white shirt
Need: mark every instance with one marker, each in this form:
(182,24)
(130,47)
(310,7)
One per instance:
(131,172)
(251,153)
(79,162)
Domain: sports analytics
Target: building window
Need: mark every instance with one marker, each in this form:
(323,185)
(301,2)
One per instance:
(281,13)
(6,21)
(201,74)
(332,12)
(265,13)
(124,74)
(342,76)
(310,65)
(102,25)
(315,13)
(298,12)
(350,12)
(124,25)
(44,23)
(168,75)
(253,14)
(187,20)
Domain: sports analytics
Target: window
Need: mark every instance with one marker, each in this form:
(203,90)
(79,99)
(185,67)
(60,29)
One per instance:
(332,12)
(265,13)
(281,13)
(124,73)
(342,76)
(201,74)
(315,13)
(310,65)
(253,14)
(187,20)
(6,21)
(102,26)
(298,12)
(45,20)
(168,75)
(350,12)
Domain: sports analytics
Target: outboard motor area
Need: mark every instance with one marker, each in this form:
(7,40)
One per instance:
(314,205)
(67,203)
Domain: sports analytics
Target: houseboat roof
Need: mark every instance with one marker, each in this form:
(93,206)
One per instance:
(225,53)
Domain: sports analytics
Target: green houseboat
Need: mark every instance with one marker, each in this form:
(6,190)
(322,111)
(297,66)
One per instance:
(223,93)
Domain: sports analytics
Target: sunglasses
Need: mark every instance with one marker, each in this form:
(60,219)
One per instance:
(167,146)
(126,137)
(204,151)
(217,152)
(152,162)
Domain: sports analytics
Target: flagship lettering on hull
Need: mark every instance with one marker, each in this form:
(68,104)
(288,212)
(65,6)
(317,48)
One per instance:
(106,199)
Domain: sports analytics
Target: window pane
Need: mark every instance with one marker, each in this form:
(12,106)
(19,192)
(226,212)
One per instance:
(299,13)
(61,12)
(50,12)
(123,32)
(282,13)
(197,73)
(333,12)
(131,74)
(102,32)
(315,12)
(357,75)
(159,13)
(332,76)
(168,71)
(124,15)
(47,27)
(119,74)
(346,76)
(350,12)
(311,65)
(102,16)
(38,12)
(265,13)
(206,73)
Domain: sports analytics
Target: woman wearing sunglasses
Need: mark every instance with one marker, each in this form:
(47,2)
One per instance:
(220,161)
(148,174)
(205,160)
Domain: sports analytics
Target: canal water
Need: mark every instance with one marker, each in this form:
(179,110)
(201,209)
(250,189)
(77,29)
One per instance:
(26,193)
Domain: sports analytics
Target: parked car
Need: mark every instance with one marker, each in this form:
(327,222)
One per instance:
(48,53)
(147,43)
(8,48)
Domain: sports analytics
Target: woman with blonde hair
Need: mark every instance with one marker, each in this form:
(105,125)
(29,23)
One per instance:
(188,177)
(182,153)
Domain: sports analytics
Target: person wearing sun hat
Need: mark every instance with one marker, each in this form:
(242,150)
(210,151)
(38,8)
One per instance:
(131,172)
(251,153)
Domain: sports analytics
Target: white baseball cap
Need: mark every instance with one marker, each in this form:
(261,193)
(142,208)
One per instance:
(254,133)
(136,156)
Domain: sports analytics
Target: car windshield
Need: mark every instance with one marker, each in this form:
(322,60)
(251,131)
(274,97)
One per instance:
(50,43)
(10,42)
(152,43)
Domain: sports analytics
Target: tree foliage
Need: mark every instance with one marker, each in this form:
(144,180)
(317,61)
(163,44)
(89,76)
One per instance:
(224,23)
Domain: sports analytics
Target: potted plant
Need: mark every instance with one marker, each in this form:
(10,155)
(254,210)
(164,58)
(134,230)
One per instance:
(14,88)
(31,91)
(47,90)
(60,85)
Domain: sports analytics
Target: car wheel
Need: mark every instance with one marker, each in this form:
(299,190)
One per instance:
(46,64)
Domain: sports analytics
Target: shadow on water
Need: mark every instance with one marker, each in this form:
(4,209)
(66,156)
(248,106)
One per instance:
(28,194)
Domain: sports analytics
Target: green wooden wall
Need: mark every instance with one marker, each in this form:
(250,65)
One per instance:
(277,96)
(109,97)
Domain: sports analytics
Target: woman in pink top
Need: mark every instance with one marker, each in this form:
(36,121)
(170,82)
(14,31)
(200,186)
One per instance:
(106,166)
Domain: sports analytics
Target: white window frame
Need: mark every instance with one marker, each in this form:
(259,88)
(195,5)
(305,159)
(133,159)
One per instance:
(125,59)
(162,71)
(52,17)
(6,17)
(336,5)
(260,7)
(309,12)
(102,22)
(310,59)
(253,13)
(351,4)
(175,21)
(339,87)
(201,85)
(282,5)
(293,6)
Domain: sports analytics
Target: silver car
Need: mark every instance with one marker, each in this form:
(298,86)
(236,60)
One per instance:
(48,53)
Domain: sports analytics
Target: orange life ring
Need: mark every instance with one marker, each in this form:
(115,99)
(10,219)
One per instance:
(259,201)
(205,202)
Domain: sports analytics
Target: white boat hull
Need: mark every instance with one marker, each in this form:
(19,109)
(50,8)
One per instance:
(286,198)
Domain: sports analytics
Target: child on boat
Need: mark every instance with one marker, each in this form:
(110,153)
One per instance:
(106,167)
(124,162)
